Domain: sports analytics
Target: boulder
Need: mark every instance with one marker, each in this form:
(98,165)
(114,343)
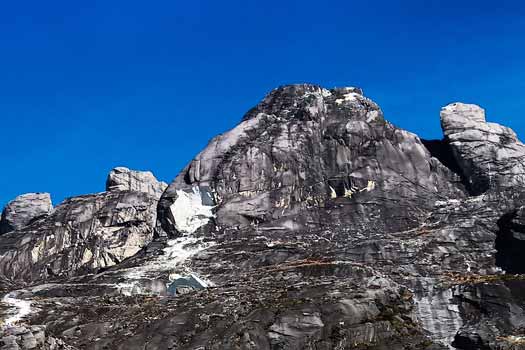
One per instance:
(490,155)
(22,210)
(124,179)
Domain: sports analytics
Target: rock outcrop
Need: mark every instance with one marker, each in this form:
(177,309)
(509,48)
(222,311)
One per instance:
(22,210)
(490,155)
(22,338)
(84,234)
(124,179)
(313,224)
(307,157)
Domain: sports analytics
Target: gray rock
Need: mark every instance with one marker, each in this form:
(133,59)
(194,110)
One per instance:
(86,233)
(316,223)
(34,337)
(124,179)
(306,157)
(490,155)
(83,234)
(22,210)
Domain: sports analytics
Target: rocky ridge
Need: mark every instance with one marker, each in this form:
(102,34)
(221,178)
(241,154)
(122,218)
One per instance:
(84,234)
(313,224)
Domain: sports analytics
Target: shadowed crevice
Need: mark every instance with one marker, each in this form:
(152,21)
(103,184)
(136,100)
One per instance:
(441,150)
(510,245)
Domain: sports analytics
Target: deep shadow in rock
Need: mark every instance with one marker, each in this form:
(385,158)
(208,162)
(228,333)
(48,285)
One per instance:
(510,244)
(441,150)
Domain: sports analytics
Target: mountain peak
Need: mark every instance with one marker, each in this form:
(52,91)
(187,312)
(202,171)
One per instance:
(317,223)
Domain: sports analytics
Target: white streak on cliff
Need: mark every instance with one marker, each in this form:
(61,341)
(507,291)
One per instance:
(188,212)
(22,307)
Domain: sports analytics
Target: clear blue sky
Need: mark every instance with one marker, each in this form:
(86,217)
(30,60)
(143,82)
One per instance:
(87,86)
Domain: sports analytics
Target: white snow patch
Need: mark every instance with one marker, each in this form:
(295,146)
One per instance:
(351,96)
(174,261)
(175,255)
(23,308)
(128,289)
(326,92)
(188,212)
(371,116)
(178,251)
(202,282)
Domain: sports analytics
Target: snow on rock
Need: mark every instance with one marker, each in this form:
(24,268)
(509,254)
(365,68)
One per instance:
(22,308)
(174,261)
(351,96)
(188,211)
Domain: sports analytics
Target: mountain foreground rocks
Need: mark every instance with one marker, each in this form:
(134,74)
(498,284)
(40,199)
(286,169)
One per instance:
(313,224)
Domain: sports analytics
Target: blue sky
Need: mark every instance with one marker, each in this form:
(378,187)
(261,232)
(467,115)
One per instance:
(87,87)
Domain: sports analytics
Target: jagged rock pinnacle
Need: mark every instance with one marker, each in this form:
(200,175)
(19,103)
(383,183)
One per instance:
(124,179)
(490,155)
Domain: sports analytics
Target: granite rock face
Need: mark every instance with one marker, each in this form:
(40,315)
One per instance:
(124,179)
(22,338)
(490,155)
(23,209)
(307,157)
(84,234)
(313,224)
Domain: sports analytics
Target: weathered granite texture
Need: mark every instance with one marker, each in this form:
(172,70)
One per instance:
(34,337)
(23,209)
(124,179)
(490,155)
(307,157)
(313,224)
(83,234)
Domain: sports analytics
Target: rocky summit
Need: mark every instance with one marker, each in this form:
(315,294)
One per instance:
(313,224)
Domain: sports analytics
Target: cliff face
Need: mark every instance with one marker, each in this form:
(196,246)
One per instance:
(307,158)
(83,234)
(313,224)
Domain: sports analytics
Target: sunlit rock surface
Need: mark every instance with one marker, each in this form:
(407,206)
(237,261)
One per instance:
(313,224)
(23,209)
(83,234)
(307,157)
(124,179)
(489,155)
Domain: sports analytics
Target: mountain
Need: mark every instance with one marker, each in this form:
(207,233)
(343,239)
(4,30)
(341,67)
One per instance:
(313,224)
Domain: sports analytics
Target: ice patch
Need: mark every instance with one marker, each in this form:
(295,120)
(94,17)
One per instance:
(23,308)
(182,248)
(188,212)
(174,261)
(177,252)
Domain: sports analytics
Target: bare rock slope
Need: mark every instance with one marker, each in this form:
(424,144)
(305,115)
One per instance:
(83,234)
(313,224)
